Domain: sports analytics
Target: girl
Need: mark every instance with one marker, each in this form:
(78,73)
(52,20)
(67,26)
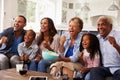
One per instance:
(89,56)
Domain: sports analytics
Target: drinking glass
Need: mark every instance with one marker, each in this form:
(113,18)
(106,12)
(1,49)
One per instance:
(19,65)
(24,70)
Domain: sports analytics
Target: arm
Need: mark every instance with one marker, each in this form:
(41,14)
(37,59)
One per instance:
(33,52)
(114,43)
(62,41)
(4,39)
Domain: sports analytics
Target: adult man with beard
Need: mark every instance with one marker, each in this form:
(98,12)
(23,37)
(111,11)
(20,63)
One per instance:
(9,40)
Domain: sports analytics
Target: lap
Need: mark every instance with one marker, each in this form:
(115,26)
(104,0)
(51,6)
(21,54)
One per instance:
(3,57)
(69,65)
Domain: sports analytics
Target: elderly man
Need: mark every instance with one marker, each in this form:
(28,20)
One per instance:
(9,40)
(110,49)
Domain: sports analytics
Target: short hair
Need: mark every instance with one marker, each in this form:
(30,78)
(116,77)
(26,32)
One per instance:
(33,32)
(108,19)
(25,20)
(80,22)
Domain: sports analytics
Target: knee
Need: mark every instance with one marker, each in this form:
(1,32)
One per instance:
(117,72)
(4,59)
(87,76)
(14,58)
(41,62)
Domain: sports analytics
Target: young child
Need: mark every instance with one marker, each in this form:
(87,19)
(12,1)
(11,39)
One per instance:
(90,57)
(28,49)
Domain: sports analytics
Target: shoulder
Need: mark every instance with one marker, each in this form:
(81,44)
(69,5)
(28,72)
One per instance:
(9,30)
(56,36)
(21,44)
(34,44)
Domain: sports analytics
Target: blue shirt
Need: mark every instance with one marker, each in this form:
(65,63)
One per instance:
(9,33)
(74,57)
(69,52)
(14,47)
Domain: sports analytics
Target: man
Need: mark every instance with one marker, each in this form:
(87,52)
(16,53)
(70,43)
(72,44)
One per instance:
(110,49)
(9,40)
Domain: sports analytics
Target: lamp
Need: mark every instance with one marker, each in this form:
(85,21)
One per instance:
(85,7)
(113,7)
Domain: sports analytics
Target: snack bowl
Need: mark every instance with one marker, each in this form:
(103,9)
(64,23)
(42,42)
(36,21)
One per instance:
(49,55)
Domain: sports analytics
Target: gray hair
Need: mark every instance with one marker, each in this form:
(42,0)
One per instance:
(108,19)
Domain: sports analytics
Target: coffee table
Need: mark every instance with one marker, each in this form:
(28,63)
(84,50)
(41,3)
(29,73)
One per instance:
(12,74)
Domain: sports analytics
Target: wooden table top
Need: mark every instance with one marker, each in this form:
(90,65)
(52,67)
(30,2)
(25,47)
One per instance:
(12,74)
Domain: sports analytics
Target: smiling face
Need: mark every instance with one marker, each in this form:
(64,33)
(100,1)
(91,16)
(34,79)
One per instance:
(74,28)
(19,23)
(104,27)
(29,36)
(44,25)
(86,42)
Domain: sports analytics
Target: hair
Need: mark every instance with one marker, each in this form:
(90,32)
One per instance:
(25,20)
(94,45)
(33,33)
(80,22)
(52,31)
(108,19)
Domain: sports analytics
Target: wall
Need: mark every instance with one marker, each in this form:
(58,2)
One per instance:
(97,7)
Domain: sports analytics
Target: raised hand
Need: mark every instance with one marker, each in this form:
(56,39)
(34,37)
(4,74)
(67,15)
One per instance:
(4,39)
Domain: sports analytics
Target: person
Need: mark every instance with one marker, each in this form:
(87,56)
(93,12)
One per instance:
(28,49)
(69,47)
(90,57)
(110,50)
(48,39)
(9,40)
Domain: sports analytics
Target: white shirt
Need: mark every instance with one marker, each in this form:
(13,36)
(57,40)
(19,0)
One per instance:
(110,56)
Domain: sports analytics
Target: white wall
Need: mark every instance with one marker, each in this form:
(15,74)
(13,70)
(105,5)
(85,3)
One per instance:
(10,12)
(97,7)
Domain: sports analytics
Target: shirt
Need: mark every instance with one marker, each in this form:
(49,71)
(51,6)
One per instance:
(9,33)
(110,56)
(31,51)
(55,43)
(88,62)
(74,57)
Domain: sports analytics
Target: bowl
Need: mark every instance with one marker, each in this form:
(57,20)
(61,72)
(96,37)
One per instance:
(49,55)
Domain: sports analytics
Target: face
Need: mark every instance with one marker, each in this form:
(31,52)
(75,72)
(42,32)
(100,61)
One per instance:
(104,27)
(29,36)
(86,42)
(19,24)
(44,25)
(74,28)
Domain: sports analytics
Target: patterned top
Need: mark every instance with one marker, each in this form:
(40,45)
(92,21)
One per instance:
(31,51)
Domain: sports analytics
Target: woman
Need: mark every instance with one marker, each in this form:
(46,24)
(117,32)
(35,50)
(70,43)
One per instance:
(47,39)
(69,47)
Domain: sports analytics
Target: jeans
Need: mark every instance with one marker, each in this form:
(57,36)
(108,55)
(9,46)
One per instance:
(43,65)
(7,62)
(100,73)
(33,65)
(87,76)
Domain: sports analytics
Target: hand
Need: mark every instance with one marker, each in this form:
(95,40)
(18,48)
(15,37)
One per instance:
(82,70)
(22,58)
(112,41)
(4,39)
(62,40)
(80,55)
(26,57)
(44,45)
(38,58)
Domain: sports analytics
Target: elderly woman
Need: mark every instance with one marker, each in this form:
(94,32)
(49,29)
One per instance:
(69,47)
